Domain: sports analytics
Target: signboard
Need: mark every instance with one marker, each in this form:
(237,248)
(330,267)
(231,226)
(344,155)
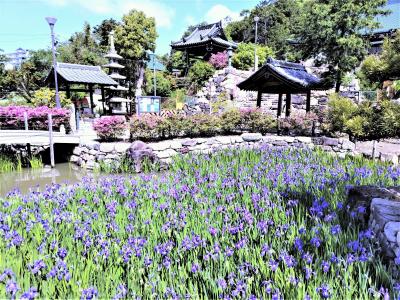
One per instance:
(148,104)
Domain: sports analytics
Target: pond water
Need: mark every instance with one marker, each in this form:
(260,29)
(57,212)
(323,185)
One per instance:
(28,178)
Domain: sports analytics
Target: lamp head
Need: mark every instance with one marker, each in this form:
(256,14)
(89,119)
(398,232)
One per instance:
(256,19)
(51,20)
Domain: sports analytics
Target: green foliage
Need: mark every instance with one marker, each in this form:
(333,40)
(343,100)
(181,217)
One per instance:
(257,121)
(385,66)
(299,123)
(46,97)
(176,60)
(102,31)
(243,58)
(164,83)
(331,31)
(8,164)
(230,120)
(82,48)
(200,72)
(35,162)
(340,109)
(279,21)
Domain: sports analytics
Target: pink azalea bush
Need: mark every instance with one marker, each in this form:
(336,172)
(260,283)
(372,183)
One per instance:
(12,117)
(110,127)
(219,60)
(299,122)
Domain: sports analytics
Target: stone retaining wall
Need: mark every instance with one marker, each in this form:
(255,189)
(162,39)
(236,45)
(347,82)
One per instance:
(90,154)
(378,208)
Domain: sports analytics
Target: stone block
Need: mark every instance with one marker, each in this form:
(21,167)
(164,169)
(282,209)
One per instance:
(348,145)
(189,143)
(166,153)
(160,146)
(74,158)
(304,139)
(107,147)
(251,137)
(77,151)
(390,157)
(330,141)
(93,152)
(212,141)
(176,144)
(112,156)
(279,143)
(225,140)
(122,147)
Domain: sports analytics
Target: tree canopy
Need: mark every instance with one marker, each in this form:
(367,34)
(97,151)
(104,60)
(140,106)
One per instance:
(332,32)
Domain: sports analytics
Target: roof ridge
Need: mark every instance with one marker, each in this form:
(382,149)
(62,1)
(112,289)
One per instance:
(77,66)
(285,64)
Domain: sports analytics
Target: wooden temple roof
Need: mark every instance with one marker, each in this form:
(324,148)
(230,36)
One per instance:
(211,35)
(280,77)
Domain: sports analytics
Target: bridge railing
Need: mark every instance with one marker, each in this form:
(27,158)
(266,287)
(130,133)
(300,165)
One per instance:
(26,122)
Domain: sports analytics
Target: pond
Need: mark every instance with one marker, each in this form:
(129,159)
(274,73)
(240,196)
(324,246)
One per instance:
(30,178)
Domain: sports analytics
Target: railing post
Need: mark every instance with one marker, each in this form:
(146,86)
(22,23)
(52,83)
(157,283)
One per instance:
(50,123)
(26,120)
(77,119)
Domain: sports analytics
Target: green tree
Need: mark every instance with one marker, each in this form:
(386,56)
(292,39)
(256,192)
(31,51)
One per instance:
(164,83)
(243,58)
(331,31)
(199,73)
(279,21)
(101,32)
(82,48)
(136,34)
(386,66)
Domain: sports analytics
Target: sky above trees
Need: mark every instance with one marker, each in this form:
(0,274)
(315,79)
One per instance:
(22,22)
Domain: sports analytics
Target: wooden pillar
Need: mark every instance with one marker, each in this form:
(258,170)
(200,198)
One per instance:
(68,91)
(308,101)
(288,104)
(278,114)
(259,95)
(91,98)
(103,99)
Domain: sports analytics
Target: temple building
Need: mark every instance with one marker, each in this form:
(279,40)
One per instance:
(116,100)
(204,41)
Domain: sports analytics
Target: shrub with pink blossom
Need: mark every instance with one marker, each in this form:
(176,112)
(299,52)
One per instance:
(219,60)
(299,123)
(12,117)
(110,127)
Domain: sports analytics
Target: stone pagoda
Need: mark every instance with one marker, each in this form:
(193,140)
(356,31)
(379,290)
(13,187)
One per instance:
(117,100)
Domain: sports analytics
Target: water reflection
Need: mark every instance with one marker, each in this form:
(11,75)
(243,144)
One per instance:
(28,178)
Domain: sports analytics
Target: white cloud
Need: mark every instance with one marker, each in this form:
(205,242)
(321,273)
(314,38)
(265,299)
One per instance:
(219,12)
(162,13)
(190,20)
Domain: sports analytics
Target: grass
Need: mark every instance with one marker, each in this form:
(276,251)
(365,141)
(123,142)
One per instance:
(262,223)
(35,162)
(8,165)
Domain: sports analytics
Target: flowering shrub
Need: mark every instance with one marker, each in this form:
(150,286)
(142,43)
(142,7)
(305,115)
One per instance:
(238,224)
(12,117)
(299,122)
(219,60)
(255,120)
(110,127)
(145,127)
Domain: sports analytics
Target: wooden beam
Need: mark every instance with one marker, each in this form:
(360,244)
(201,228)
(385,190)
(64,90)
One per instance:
(103,99)
(278,114)
(68,92)
(288,104)
(259,96)
(308,101)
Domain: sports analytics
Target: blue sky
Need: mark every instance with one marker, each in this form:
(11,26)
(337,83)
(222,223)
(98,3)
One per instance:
(22,22)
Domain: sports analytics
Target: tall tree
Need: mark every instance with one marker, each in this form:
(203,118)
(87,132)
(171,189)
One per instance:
(101,32)
(278,22)
(136,34)
(331,32)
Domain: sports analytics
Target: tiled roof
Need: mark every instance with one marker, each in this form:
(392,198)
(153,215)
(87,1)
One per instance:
(203,34)
(83,74)
(292,76)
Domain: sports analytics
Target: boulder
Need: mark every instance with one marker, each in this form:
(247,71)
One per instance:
(390,157)
(138,152)
(348,145)
(304,139)
(160,146)
(251,137)
(330,141)
(77,151)
(121,147)
(391,229)
(225,140)
(166,153)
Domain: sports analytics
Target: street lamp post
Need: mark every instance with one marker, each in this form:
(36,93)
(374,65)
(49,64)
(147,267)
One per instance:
(256,19)
(154,74)
(52,21)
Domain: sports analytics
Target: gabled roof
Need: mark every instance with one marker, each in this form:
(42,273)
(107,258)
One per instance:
(277,76)
(74,73)
(205,34)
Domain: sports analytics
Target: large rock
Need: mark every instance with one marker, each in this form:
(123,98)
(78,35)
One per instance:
(251,137)
(330,141)
(304,139)
(77,151)
(138,152)
(189,143)
(348,145)
(390,157)
(391,230)
(122,147)
(166,153)
(160,146)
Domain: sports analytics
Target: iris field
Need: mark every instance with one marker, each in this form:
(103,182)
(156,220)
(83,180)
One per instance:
(237,224)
